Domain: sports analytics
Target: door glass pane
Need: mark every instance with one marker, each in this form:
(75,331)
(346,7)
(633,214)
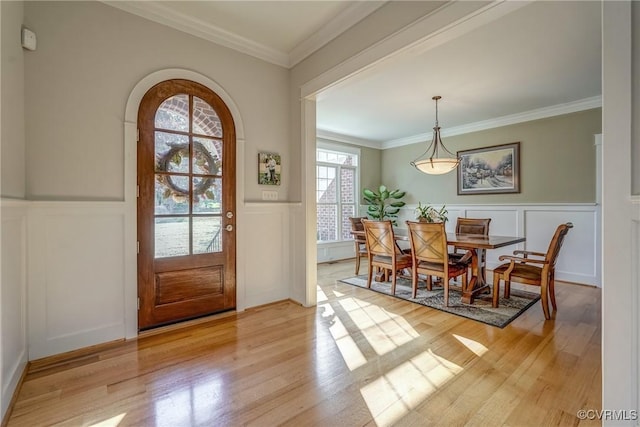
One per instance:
(172,152)
(347,185)
(172,237)
(167,200)
(207,235)
(173,114)
(207,195)
(205,119)
(207,159)
(348,211)
(327,223)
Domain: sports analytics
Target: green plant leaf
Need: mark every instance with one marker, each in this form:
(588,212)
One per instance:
(380,206)
(368,194)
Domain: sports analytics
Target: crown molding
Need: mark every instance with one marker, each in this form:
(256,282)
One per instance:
(338,137)
(527,116)
(347,19)
(157,12)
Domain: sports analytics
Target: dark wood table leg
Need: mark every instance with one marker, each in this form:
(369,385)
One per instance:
(382,275)
(476,284)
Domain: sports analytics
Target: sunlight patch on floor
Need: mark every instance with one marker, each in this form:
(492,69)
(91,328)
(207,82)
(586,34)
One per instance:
(383,330)
(391,396)
(321,296)
(472,345)
(111,422)
(349,350)
(192,405)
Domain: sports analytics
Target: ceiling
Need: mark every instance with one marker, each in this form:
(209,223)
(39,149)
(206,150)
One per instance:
(542,59)
(281,32)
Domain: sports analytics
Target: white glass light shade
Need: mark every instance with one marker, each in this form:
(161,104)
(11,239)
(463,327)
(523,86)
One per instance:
(436,166)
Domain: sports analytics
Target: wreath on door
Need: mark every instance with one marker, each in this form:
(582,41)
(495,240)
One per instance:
(210,163)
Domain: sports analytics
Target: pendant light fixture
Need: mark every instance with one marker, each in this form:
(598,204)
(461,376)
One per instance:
(437,162)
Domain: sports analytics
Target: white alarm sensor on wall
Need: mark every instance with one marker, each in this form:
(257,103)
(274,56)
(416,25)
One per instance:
(28,39)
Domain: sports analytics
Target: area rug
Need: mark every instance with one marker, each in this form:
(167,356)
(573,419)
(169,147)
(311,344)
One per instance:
(481,309)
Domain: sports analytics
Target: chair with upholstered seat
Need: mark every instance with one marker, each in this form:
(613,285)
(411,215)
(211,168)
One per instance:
(382,250)
(430,256)
(360,242)
(538,271)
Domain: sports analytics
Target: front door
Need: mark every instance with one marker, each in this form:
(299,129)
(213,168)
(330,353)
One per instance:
(186,204)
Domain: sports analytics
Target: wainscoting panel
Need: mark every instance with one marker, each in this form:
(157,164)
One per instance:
(267,252)
(77,283)
(13,299)
(579,259)
(335,251)
(299,264)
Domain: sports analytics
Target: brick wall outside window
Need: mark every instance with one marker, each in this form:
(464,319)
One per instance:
(335,207)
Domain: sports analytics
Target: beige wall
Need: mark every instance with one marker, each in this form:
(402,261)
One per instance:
(89,58)
(12,72)
(370,169)
(557,163)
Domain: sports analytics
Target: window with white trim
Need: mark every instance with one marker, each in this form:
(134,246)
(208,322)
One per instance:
(336,191)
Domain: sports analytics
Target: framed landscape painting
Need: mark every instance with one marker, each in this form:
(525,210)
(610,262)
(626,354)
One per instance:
(269,168)
(490,170)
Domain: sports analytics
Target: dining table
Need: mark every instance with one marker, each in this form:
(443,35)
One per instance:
(476,244)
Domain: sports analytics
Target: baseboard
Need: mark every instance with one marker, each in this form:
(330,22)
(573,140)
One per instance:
(60,359)
(14,397)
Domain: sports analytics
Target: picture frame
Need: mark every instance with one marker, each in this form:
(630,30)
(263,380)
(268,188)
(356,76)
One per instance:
(489,170)
(269,169)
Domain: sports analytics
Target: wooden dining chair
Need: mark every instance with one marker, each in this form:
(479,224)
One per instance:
(382,250)
(430,256)
(538,271)
(472,226)
(360,242)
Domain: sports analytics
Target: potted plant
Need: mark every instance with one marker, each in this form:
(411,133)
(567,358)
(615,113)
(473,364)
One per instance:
(384,203)
(428,213)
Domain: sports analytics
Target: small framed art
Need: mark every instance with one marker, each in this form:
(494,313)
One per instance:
(269,169)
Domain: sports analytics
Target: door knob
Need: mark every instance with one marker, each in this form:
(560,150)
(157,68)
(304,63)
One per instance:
(229,227)
(229,214)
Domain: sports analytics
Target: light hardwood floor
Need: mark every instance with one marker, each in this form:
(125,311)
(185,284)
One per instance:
(358,358)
